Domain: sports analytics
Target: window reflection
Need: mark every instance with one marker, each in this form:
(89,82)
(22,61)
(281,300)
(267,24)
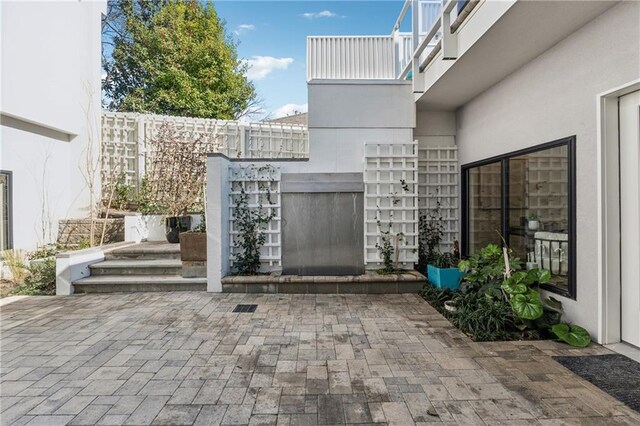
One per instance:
(525,198)
(484,189)
(539,210)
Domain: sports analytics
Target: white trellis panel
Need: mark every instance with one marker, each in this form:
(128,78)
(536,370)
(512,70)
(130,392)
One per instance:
(275,140)
(438,182)
(126,136)
(120,148)
(262,185)
(386,167)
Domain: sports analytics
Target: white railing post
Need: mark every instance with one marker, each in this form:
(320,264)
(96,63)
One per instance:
(243,142)
(449,39)
(418,83)
(142,150)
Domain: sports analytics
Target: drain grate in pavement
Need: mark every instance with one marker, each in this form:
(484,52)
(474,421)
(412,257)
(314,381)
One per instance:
(615,374)
(245,308)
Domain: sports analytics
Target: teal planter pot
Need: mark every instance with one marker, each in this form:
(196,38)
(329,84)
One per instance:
(444,277)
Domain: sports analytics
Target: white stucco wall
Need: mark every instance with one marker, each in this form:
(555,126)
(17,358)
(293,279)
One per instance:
(50,106)
(435,128)
(552,97)
(344,115)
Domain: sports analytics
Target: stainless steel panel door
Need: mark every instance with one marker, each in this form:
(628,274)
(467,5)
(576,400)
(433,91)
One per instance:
(323,233)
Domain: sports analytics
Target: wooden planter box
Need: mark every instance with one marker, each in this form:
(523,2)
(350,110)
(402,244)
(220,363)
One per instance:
(193,253)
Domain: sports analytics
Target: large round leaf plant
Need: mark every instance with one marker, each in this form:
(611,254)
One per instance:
(495,273)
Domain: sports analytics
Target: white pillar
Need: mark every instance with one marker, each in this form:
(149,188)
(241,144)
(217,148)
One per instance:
(217,213)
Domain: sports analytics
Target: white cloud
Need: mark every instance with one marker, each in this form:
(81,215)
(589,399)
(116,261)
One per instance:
(290,109)
(244,28)
(261,66)
(323,14)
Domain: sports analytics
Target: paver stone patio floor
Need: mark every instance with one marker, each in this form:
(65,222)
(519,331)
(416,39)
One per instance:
(184,358)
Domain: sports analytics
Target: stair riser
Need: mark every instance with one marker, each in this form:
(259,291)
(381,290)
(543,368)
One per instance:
(325,288)
(133,288)
(133,270)
(142,256)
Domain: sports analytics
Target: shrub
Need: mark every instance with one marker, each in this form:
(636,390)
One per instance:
(16,261)
(497,301)
(41,279)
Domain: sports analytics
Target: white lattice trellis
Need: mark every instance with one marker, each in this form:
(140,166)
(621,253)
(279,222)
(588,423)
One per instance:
(125,138)
(438,182)
(120,149)
(262,186)
(391,173)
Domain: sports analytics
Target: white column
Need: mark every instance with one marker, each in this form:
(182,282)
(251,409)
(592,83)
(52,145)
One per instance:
(217,213)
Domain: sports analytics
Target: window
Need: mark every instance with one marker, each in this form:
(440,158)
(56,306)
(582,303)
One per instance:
(527,197)
(5,211)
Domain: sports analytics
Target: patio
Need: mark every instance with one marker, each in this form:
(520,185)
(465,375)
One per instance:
(185,358)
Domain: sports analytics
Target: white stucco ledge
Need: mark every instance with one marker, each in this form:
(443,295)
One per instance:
(368,82)
(74,265)
(150,227)
(256,160)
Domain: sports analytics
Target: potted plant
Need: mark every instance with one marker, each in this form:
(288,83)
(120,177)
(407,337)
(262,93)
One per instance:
(534,223)
(176,176)
(443,272)
(193,251)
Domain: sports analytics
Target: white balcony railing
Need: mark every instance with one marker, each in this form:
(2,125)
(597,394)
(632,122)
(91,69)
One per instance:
(402,55)
(350,57)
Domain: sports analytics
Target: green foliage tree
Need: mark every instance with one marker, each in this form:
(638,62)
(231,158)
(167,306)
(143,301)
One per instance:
(173,57)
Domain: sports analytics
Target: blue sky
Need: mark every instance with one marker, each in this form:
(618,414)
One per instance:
(272,37)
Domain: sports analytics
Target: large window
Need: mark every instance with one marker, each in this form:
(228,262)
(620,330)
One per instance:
(5,210)
(526,197)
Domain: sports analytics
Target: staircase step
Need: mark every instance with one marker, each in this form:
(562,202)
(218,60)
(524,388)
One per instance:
(137,267)
(135,283)
(146,251)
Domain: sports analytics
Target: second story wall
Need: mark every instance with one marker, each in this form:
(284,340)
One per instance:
(346,114)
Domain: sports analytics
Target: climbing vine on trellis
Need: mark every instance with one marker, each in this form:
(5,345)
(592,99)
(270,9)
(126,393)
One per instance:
(252,214)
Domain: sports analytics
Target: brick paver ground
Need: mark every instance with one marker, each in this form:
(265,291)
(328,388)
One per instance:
(184,358)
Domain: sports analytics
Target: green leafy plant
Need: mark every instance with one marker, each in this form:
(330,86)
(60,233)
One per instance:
(145,201)
(202,226)
(250,222)
(389,242)
(572,334)
(431,230)
(123,193)
(445,260)
(497,301)
(16,261)
(41,279)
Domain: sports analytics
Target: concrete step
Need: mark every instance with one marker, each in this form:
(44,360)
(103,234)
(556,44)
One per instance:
(136,283)
(137,267)
(368,283)
(146,251)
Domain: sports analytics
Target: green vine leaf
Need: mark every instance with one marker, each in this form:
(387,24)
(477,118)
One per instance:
(572,334)
(513,289)
(541,276)
(527,306)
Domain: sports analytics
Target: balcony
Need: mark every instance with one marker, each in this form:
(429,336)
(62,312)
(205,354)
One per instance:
(451,51)
(385,56)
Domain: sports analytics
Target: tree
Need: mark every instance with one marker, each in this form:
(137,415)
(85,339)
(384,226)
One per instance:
(173,57)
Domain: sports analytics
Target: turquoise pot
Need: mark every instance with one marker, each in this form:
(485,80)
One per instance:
(444,277)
